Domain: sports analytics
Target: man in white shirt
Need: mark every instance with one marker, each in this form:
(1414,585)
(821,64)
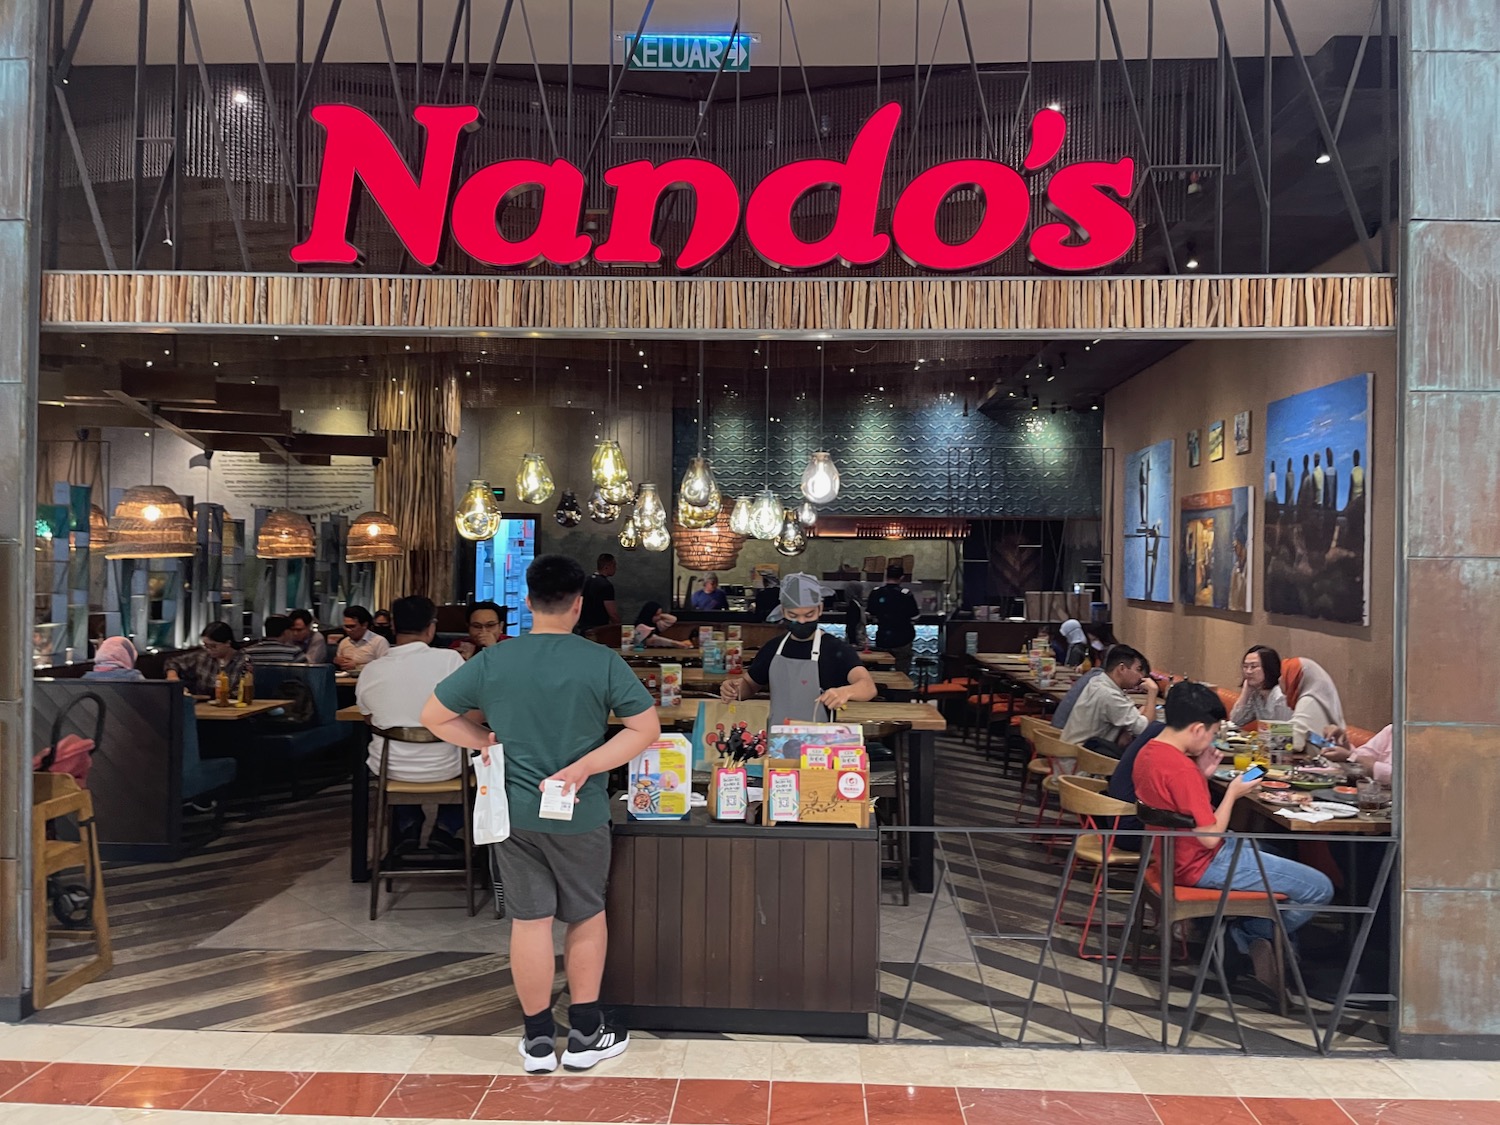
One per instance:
(361,644)
(1104,718)
(392,692)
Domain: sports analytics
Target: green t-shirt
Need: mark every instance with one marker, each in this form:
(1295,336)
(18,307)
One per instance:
(547,697)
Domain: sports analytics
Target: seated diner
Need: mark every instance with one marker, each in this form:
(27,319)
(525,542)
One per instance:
(1313,697)
(1261,697)
(1104,718)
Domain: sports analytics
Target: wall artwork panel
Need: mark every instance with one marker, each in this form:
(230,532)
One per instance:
(1218,530)
(1194,448)
(1317,551)
(1216,441)
(1242,433)
(1148,522)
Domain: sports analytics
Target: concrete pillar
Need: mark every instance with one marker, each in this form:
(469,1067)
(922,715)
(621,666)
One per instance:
(1448,595)
(22,128)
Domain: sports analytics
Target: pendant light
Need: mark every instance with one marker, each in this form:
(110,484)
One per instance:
(630,535)
(715,547)
(568,513)
(608,464)
(790,539)
(286,534)
(765,512)
(656,539)
(100,535)
(372,537)
(649,511)
(600,509)
(740,521)
(533,480)
(807,514)
(820,480)
(692,516)
(478,515)
(151,522)
(698,493)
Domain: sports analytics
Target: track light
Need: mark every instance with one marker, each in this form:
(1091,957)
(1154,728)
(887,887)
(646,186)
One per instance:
(1324,158)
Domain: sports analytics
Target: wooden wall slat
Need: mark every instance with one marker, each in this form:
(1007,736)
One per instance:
(694,923)
(557,304)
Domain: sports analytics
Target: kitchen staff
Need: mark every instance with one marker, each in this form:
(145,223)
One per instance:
(810,673)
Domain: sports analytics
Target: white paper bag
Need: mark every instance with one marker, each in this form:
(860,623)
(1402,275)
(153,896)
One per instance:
(491,808)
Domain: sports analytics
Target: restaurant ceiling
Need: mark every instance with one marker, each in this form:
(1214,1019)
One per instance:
(829,33)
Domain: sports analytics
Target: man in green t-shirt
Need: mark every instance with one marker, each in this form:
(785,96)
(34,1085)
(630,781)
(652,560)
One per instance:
(547,696)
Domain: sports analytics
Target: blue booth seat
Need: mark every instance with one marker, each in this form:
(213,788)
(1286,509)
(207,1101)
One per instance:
(200,775)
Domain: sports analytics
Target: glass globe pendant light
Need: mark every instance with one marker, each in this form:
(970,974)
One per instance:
(478,515)
(790,538)
(600,509)
(807,514)
(608,465)
(622,493)
(740,521)
(656,538)
(630,535)
(533,481)
(649,511)
(695,517)
(820,480)
(698,491)
(766,515)
(568,513)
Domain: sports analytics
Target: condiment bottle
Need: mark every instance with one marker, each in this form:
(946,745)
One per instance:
(247,691)
(221,690)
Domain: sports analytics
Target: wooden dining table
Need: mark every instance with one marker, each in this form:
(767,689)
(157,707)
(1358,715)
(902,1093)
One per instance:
(887,679)
(213,713)
(870,659)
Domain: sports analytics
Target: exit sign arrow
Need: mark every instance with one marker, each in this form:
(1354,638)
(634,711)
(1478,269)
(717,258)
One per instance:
(687,53)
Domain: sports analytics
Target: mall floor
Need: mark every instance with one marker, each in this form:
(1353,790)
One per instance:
(249,980)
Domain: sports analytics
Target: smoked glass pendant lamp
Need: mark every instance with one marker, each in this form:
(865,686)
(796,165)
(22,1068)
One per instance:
(740,521)
(478,515)
(568,513)
(696,517)
(609,468)
(698,487)
(698,493)
(807,514)
(600,509)
(766,515)
(790,539)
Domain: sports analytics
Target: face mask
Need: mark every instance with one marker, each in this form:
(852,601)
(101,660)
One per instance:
(801,630)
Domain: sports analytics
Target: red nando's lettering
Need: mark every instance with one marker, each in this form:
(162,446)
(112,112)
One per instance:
(1093,228)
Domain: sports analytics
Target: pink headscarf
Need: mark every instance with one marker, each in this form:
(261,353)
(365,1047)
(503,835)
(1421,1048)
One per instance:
(115,654)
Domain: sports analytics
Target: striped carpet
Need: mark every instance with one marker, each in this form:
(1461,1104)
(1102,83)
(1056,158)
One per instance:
(171,971)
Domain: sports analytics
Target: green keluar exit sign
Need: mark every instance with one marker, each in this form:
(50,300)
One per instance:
(687,52)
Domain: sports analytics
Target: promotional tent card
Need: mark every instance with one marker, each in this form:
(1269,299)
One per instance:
(783,800)
(661,780)
(730,797)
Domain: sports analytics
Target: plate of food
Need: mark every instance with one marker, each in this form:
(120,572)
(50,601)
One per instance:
(1336,809)
(1285,797)
(1275,785)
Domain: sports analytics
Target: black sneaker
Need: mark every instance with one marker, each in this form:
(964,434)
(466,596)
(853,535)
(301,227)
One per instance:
(443,842)
(586,1051)
(539,1055)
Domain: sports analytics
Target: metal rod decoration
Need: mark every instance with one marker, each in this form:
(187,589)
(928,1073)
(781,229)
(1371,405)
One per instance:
(282,148)
(614,93)
(316,67)
(1346,189)
(541,87)
(812,110)
(984,109)
(216,131)
(489,70)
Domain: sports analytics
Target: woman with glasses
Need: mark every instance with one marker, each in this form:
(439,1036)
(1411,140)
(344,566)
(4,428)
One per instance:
(1261,697)
(198,668)
(485,628)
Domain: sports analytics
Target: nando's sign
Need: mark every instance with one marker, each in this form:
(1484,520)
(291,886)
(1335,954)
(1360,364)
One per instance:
(1091,228)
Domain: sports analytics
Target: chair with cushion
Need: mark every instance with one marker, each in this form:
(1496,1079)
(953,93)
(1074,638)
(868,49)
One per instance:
(308,725)
(200,776)
(389,791)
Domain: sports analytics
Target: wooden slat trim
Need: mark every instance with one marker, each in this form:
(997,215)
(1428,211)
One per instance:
(890,306)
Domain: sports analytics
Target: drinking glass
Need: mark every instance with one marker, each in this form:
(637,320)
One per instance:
(1242,761)
(1372,798)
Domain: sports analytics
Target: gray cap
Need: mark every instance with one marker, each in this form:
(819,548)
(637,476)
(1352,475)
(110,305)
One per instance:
(798,591)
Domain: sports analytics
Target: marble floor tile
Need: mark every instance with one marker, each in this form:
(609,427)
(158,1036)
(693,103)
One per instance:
(708,1058)
(816,1062)
(714,1101)
(1397,1111)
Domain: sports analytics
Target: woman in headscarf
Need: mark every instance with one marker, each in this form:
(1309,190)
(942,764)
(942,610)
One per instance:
(649,624)
(115,660)
(1075,645)
(1312,696)
(1261,697)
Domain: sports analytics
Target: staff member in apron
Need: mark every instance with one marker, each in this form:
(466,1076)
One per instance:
(810,673)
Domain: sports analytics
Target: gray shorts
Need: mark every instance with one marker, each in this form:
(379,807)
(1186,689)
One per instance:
(549,875)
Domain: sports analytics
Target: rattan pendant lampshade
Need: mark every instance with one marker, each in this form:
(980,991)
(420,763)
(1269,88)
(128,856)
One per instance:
(715,547)
(286,535)
(100,535)
(151,522)
(373,536)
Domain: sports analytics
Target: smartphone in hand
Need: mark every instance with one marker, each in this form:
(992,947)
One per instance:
(1317,741)
(1254,773)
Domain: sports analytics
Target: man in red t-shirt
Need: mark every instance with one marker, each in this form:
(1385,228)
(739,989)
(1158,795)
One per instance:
(1171,772)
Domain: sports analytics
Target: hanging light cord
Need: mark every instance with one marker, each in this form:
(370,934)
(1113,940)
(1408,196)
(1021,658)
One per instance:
(700,398)
(822,359)
(768,417)
(533,395)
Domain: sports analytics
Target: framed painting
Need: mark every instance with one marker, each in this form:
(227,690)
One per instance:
(1147,527)
(1218,530)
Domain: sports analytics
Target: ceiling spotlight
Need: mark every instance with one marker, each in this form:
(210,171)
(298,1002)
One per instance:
(1323,158)
(1055,107)
(1094,407)
(241,97)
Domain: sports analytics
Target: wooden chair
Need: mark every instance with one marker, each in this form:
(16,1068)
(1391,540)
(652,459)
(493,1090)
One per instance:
(1051,758)
(1172,904)
(391,792)
(54,797)
(1093,764)
(1084,797)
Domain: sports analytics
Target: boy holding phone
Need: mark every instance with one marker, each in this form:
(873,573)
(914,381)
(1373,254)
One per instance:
(1171,772)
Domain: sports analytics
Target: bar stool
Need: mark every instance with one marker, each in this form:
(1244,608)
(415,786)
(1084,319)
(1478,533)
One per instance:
(894,736)
(390,792)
